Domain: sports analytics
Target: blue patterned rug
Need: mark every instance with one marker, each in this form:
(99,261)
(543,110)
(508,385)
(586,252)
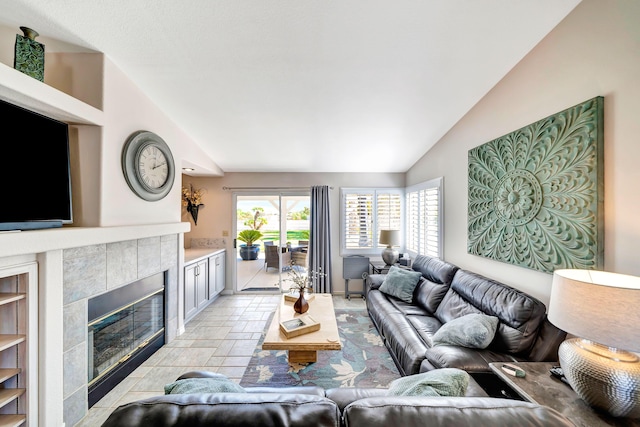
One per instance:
(363,362)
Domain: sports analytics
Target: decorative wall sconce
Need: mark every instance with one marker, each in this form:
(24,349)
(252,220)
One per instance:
(192,199)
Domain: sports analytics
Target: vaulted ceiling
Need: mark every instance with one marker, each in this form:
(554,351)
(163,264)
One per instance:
(304,85)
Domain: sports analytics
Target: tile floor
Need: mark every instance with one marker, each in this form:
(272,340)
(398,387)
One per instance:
(221,339)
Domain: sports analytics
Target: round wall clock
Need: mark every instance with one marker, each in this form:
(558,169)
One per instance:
(147,164)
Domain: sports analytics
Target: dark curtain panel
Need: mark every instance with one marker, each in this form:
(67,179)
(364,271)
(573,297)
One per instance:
(320,240)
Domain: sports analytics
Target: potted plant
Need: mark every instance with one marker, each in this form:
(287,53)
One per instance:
(249,251)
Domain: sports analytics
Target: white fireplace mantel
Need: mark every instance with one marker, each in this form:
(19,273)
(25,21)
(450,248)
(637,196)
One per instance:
(38,241)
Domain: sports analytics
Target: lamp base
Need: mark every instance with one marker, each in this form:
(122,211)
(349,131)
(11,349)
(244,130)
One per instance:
(604,377)
(390,256)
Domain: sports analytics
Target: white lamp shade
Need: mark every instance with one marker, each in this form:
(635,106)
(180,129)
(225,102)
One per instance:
(598,306)
(390,237)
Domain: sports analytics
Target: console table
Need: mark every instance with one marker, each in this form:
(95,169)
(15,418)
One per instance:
(539,386)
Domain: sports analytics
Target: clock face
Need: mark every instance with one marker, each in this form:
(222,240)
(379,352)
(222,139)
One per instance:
(152,167)
(147,164)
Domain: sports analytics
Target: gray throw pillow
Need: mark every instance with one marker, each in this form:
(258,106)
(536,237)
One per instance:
(400,283)
(203,385)
(439,382)
(475,330)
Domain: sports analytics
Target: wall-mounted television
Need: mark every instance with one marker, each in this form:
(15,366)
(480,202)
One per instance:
(35,178)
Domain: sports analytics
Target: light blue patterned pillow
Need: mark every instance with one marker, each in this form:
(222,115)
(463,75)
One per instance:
(439,382)
(475,330)
(203,385)
(400,283)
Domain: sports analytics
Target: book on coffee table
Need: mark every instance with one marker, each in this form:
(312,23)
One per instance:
(299,326)
(293,296)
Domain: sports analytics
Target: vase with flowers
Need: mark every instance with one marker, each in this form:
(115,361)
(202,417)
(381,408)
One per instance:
(192,199)
(300,283)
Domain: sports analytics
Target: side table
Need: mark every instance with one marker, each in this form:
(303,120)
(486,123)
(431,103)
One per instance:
(539,386)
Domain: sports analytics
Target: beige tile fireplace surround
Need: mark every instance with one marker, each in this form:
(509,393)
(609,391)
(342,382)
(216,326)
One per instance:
(73,265)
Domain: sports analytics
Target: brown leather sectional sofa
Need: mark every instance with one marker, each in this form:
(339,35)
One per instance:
(446,292)
(306,406)
(443,293)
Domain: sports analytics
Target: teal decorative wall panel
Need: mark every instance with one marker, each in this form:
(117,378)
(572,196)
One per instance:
(536,194)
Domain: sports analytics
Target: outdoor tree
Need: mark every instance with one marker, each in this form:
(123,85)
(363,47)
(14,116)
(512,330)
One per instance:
(300,215)
(256,219)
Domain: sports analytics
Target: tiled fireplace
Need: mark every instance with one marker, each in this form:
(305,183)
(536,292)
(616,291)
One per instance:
(126,326)
(92,272)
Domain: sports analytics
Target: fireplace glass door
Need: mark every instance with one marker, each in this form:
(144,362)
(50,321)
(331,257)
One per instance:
(115,337)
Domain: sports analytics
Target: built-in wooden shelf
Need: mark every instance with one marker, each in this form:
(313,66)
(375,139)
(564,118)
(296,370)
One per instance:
(7,373)
(9,394)
(12,420)
(7,298)
(7,341)
(27,92)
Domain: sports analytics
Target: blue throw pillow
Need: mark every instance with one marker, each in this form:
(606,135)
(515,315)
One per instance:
(400,283)
(439,382)
(475,330)
(203,385)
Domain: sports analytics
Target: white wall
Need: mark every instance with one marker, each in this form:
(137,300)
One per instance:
(128,110)
(216,216)
(595,51)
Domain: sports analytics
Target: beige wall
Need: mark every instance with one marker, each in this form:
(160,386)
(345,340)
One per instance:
(595,51)
(216,216)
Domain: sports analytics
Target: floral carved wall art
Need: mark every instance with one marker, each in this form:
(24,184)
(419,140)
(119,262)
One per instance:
(536,194)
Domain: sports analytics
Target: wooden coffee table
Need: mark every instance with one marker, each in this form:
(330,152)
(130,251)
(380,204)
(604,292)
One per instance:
(304,348)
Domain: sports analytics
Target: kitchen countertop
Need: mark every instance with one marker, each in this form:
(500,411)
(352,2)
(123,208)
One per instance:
(191,255)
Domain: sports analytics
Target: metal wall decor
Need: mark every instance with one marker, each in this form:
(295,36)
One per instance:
(29,54)
(536,194)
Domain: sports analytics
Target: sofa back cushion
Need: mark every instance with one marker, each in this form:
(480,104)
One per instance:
(449,411)
(520,315)
(437,276)
(227,409)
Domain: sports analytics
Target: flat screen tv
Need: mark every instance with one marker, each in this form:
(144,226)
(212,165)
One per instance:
(35,179)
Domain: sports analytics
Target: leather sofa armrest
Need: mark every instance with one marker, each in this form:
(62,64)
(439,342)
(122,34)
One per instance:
(373,281)
(545,348)
(467,359)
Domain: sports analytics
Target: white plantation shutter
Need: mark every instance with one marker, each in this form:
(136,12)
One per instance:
(366,211)
(358,220)
(389,212)
(424,218)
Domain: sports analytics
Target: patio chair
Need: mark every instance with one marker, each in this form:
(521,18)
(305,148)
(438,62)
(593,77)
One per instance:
(272,260)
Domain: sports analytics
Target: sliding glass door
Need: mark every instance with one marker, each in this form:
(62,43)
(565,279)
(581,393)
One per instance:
(280,223)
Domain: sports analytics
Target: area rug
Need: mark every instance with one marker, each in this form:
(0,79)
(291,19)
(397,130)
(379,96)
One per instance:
(363,361)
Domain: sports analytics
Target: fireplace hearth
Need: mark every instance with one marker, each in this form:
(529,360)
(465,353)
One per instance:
(126,326)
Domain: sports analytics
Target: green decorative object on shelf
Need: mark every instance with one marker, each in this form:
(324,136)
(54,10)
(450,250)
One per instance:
(536,194)
(29,54)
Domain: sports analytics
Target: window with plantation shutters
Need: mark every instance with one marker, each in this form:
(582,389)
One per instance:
(424,218)
(358,221)
(366,211)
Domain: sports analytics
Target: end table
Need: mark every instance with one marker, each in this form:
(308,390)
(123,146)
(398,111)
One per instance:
(539,386)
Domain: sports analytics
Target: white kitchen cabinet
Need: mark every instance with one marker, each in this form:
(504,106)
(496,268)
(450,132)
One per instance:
(204,279)
(216,274)
(195,287)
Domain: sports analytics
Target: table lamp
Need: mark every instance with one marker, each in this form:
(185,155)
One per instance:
(390,238)
(602,309)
